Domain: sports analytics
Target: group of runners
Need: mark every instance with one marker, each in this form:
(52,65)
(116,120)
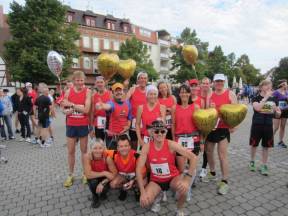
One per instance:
(146,138)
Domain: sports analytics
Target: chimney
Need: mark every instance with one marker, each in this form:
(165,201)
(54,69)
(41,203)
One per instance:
(1,17)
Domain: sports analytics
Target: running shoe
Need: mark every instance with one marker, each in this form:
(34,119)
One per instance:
(21,139)
(180,212)
(69,181)
(203,173)
(164,199)
(264,170)
(28,140)
(189,195)
(84,179)
(156,207)
(252,166)
(222,188)
(209,177)
(281,144)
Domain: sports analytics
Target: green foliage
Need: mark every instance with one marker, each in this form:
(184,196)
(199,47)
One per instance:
(135,49)
(281,72)
(38,27)
(211,62)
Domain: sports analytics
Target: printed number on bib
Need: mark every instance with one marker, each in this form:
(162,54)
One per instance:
(168,120)
(186,142)
(160,169)
(101,122)
(133,125)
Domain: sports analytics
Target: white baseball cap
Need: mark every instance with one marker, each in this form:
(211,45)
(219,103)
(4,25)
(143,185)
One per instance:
(219,77)
(27,84)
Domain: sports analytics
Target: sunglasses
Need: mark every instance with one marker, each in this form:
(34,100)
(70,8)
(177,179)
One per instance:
(160,131)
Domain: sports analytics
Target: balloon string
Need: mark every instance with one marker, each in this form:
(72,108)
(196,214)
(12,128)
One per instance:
(60,85)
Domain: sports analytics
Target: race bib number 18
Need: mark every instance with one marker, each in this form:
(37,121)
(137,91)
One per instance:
(160,169)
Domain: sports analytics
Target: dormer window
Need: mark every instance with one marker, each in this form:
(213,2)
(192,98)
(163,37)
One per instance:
(125,28)
(69,18)
(90,21)
(93,23)
(108,25)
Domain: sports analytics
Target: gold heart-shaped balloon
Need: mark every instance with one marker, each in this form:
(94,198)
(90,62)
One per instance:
(233,114)
(126,68)
(205,120)
(107,65)
(190,54)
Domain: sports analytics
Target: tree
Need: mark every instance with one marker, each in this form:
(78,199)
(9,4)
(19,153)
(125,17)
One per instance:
(281,72)
(184,71)
(36,28)
(137,50)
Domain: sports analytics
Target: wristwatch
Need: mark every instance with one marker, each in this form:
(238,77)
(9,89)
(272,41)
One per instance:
(187,174)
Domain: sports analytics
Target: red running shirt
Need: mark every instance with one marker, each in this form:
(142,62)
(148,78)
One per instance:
(99,165)
(137,98)
(77,118)
(105,97)
(219,100)
(148,117)
(119,117)
(198,101)
(168,103)
(127,166)
(161,163)
(184,119)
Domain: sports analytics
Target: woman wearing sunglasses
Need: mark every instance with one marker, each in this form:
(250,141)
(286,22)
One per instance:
(184,131)
(159,156)
(148,113)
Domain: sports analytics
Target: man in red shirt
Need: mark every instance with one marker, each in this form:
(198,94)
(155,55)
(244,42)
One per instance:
(33,95)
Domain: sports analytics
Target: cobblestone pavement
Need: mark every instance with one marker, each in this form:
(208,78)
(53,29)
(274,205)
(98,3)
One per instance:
(31,184)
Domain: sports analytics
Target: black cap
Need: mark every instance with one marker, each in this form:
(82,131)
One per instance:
(157,124)
(5,90)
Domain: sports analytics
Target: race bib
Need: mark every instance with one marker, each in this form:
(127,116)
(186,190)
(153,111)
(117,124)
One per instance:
(160,169)
(146,139)
(186,142)
(282,105)
(101,122)
(133,124)
(128,175)
(168,120)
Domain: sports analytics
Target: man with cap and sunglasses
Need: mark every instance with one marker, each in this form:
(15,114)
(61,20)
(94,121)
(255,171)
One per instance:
(221,134)
(159,156)
(120,115)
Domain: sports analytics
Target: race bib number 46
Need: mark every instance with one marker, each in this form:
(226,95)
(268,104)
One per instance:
(186,142)
(160,169)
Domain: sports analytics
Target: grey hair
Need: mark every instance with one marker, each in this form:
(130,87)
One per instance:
(97,141)
(142,73)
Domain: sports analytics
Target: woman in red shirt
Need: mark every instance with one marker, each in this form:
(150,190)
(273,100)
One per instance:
(99,170)
(159,156)
(148,113)
(168,100)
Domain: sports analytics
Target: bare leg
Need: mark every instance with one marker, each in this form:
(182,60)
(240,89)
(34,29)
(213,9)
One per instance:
(253,153)
(71,143)
(223,157)
(276,123)
(265,155)
(210,155)
(282,128)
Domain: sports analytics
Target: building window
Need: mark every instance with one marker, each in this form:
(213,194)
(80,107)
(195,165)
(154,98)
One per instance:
(93,23)
(108,25)
(75,63)
(145,32)
(116,45)
(106,44)
(88,22)
(113,26)
(87,62)
(95,67)
(96,45)
(69,18)
(125,28)
(86,42)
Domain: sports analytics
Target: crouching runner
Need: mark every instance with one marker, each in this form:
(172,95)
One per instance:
(99,170)
(159,156)
(125,160)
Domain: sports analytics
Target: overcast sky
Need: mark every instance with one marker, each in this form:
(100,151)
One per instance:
(258,28)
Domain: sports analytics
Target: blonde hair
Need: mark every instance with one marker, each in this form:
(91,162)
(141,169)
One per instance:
(265,82)
(97,141)
(78,74)
(206,78)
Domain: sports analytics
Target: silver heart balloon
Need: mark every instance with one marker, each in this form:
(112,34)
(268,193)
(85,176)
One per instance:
(55,63)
